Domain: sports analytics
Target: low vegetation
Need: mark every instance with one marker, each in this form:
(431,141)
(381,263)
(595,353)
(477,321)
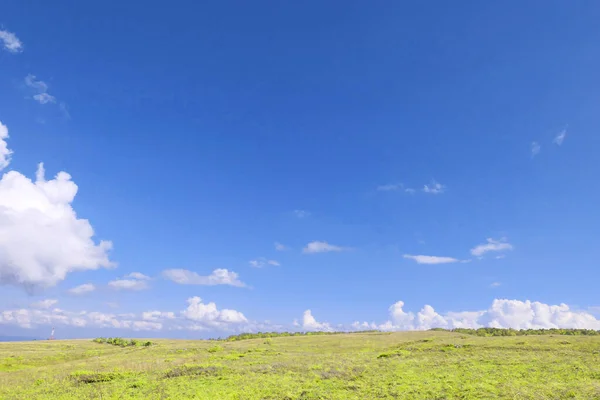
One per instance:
(123,342)
(460,364)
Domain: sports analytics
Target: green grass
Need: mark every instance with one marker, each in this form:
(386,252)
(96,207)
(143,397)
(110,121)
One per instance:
(407,365)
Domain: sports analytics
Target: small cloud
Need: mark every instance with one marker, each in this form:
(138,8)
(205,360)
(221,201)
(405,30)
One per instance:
(82,289)
(495,284)
(535,149)
(219,276)
(112,304)
(263,262)
(500,256)
(322,247)
(64,109)
(42,96)
(10,42)
(434,188)
(309,323)
(44,304)
(421,259)
(491,245)
(128,284)
(301,213)
(281,247)
(560,138)
(410,190)
(138,275)
(390,187)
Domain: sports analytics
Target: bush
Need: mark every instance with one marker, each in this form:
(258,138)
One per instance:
(122,342)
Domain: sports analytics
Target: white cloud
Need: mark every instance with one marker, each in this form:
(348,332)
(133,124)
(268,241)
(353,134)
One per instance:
(560,138)
(44,98)
(491,245)
(434,188)
(281,247)
(218,277)
(322,247)
(503,313)
(263,262)
(535,149)
(410,191)
(82,289)
(301,213)
(10,42)
(41,238)
(5,152)
(309,323)
(44,304)
(157,315)
(208,316)
(138,276)
(420,259)
(390,187)
(495,284)
(128,284)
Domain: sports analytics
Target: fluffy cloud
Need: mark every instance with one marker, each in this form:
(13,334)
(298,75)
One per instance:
(560,138)
(502,313)
(128,284)
(41,88)
(309,323)
(5,152)
(82,289)
(535,149)
(263,262)
(138,275)
(10,42)
(420,259)
(321,247)
(491,245)
(218,277)
(434,188)
(207,316)
(41,238)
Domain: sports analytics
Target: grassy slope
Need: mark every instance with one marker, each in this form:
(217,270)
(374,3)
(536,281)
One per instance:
(417,365)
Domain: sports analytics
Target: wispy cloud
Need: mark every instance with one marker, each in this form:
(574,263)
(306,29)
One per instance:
(322,247)
(495,284)
(421,259)
(42,96)
(218,277)
(263,262)
(137,275)
(82,289)
(560,138)
(44,304)
(390,187)
(434,188)
(11,42)
(535,149)
(491,245)
(410,190)
(281,247)
(301,213)
(128,284)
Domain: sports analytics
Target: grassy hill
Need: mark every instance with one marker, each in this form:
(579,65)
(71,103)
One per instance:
(407,365)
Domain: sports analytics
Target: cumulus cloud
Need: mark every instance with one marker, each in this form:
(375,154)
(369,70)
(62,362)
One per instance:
(281,247)
(82,289)
(41,238)
(502,313)
(535,149)
(434,188)
(420,259)
(218,277)
(560,138)
(5,152)
(322,247)
(309,323)
(301,213)
(263,262)
(10,42)
(491,245)
(138,275)
(128,284)
(44,304)
(207,315)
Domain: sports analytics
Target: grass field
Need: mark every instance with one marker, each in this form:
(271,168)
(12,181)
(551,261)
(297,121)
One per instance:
(407,365)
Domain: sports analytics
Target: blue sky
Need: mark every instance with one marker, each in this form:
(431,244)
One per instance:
(356,135)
